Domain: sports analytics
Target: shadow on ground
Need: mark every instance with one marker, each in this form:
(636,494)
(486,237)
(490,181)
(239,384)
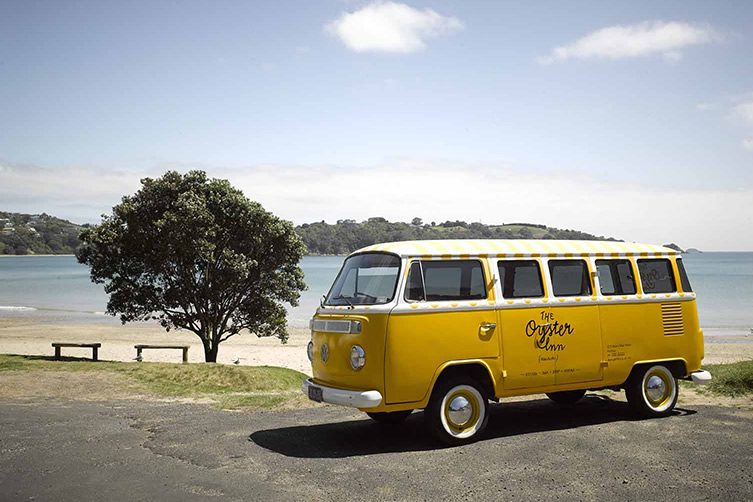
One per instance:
(366,437)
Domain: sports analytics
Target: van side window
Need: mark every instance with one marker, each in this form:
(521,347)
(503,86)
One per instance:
(615,277)
(414,291)
(684,281)
(657,276)
(570,278)
(520,279)
(446,280)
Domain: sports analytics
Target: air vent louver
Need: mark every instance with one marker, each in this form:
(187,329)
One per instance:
(671,316)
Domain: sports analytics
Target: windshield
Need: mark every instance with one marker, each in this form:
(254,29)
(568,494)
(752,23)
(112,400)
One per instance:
(365,279)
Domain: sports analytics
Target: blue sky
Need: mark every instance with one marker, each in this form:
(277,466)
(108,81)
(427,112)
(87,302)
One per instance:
(595,115)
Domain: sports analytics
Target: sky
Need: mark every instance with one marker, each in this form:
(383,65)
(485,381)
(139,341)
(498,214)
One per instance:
(624,119)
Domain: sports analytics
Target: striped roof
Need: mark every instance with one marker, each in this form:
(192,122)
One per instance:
(516,248)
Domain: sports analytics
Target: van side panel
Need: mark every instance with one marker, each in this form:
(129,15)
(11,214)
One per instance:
(420,342)
(525,366)
(639,332)
(577,345)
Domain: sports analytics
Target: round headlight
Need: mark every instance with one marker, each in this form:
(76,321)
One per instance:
(310,351)
(357,357)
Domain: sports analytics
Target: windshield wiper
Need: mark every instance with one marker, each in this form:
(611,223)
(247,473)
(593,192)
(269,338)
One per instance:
(341,297)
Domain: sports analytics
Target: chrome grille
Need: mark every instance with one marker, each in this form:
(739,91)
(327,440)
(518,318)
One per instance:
(327,326)
(671,316)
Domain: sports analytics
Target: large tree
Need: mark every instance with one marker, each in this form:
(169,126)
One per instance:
(194,253)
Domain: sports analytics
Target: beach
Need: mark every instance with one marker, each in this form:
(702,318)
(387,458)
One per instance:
(24,335)
(19,335)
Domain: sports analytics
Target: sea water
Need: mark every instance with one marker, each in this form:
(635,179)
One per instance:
(58,289)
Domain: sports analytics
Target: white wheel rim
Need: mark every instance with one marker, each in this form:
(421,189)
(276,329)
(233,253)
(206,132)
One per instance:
(466,405)
(659,388)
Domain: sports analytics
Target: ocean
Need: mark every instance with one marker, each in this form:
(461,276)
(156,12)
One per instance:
(57,289)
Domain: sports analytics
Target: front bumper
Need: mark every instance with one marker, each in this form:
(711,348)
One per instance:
(353,398)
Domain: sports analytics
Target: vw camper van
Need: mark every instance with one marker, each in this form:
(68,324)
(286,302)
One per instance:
(447,326)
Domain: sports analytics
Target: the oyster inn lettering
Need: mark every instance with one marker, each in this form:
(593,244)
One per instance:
(548,333)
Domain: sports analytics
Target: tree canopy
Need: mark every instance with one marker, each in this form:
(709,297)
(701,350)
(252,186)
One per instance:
(194,253)
(346,235)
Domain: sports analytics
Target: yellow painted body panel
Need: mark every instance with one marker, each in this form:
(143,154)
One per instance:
(634,333)
(579,355)
(336,371)
(525,366)
(590,343)
(419,343)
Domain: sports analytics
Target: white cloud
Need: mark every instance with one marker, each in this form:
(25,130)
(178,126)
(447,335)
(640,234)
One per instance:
(748,144)
(744,111)
(390,27)
(634,40)
(706,219)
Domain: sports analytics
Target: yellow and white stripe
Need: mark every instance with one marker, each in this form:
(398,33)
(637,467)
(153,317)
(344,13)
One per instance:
(516,248)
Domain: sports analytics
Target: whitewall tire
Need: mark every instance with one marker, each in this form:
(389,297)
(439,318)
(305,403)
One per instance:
(652,391)
(458,411)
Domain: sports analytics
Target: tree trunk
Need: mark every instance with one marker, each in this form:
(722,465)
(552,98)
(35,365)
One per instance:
(210,349)
(211,355)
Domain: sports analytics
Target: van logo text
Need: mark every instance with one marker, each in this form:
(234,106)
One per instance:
(545,330)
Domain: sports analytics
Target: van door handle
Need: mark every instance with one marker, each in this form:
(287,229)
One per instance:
(488,326)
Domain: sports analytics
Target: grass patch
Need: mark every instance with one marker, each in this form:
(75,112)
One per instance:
(734,379)
(231,387)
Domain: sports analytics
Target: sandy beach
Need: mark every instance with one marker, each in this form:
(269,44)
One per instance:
(26,336)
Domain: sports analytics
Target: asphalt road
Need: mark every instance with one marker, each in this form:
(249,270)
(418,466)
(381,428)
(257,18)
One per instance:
(532,450)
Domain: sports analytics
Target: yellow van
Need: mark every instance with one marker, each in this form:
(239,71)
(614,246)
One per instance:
(445,326)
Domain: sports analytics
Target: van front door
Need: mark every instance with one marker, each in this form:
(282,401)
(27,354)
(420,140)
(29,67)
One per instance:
(445,315)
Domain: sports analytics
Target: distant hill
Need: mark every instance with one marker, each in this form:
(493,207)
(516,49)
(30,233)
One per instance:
(346,236)
(22,234)
(37,234)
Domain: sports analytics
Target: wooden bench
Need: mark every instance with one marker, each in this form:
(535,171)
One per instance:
(139,348)
(94,346)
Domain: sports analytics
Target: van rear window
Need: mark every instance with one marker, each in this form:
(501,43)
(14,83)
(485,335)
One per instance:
(657,276)
(615,277)
(570,278)
(446,280)
(520,279)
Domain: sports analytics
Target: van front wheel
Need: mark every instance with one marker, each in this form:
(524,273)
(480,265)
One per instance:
(652,391)
(458,411)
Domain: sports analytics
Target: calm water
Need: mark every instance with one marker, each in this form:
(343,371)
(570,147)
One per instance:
(57,288)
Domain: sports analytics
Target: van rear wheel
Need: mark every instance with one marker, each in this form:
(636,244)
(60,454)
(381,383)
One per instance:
(567,396)
(458,411)
(652,391)
(390,418)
